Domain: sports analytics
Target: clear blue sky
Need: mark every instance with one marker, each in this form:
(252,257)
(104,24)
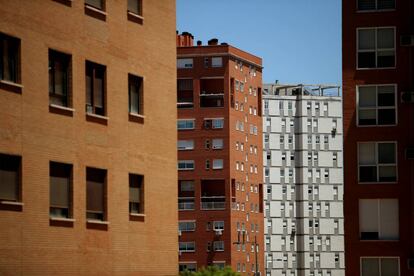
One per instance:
(299,40)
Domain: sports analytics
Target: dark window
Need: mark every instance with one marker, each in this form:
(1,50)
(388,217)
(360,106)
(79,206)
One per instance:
(95,88)
(10,177)
(376,105)
(136,195)
(135,6)
(59,74)
(376,47)
(9,58)
(99,4)
(366,5)
(136,99)
(95,194)
(60,190)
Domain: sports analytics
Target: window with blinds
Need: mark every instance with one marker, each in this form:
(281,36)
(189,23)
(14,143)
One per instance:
(10,183)
(135,6)
(59,78)
(95,88)
(136,195)
(378,219)
(98,4)
(96,194)
(60,190)
(9,58)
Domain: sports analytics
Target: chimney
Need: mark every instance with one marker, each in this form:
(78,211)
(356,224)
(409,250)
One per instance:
(199,43)
(213,42)
(185,39)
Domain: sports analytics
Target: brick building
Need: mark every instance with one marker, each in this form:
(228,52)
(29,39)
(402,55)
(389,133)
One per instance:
(219,156)
(378,136)
(81,121)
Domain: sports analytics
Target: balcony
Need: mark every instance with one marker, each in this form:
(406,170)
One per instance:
(185,203)
(208,99)
(213,203)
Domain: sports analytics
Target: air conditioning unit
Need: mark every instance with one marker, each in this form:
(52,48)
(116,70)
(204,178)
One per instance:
(409,153)
(410,262)
(333,131)
(407,40)
(407,97)
(218,232)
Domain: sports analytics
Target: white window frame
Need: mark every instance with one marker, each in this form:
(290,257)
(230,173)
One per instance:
(185,63)
(376,104)
(187,121)
(188,145)
(187,243)
(218,164)
(379,258)
(376,162)
(217,225)
(217,143)
(187,229)
(376,50)
(186,162)
(214,61)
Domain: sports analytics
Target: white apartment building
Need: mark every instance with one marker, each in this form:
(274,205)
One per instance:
(303,175)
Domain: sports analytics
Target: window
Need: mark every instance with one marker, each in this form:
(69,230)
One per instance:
(59,78)
(185,144)
(376,47)
(135,6)
(218,245)
(186,226)
(207,144)
(377,162)
(216,62)
(218,225)
(10,177)
(99,4)
(378,219)
(217,143)
(136,195)
(214,123)
(376,105)
(185,165)
(367,5)
(185,124)
(9,58)
(186,185)
(187,246)
(60,190)
(135,93)
(95,88)
(95,194)
(380,266)
(218,123)
(187,267)
(183,63)
(207,164)
(217,164)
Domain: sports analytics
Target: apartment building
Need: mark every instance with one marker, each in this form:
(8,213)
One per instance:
(219,156)
(80,147)
(378,137)
(303,176)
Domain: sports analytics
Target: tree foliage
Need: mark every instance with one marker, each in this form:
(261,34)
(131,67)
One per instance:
(211,271)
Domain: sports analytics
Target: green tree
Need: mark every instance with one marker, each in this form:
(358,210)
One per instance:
(211,271)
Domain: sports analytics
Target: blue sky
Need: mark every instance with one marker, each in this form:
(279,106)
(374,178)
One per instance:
(299,40)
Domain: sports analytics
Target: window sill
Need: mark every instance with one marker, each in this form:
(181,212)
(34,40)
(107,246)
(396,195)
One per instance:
(137,217)
(12,203)
(137,118)
(100,222)
(62,110)
(65,2)
(62,219)
(7,205)
(136,18)
(95,12)
(97,118)
(11,86)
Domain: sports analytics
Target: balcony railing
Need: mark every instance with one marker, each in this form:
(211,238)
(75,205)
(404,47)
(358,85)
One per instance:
(211,99)
(185,203)
(213,203)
